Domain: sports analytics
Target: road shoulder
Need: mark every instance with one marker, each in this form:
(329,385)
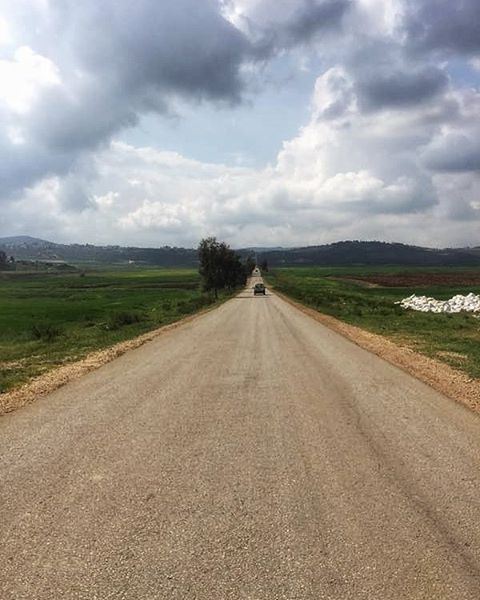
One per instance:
(449,381)
(53,379)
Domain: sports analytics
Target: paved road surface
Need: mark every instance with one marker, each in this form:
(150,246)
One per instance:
(250,454)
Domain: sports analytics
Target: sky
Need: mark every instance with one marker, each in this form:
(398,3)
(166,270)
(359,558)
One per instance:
(262,122)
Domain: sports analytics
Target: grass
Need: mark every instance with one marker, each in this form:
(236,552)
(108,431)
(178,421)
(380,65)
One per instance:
(452,338)
(48,319)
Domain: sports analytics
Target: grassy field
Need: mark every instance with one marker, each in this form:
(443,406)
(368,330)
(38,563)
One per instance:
(350,294)
(47,319)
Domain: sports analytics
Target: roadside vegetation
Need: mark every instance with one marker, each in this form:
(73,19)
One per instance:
(366,296)
(51,318)
(52,314)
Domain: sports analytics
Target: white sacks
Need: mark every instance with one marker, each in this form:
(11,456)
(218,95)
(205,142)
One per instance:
(459,303)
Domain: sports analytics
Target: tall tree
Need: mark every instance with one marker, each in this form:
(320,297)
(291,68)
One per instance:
(220,266)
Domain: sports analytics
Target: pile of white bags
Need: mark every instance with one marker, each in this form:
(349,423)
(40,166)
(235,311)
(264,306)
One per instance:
(459,303)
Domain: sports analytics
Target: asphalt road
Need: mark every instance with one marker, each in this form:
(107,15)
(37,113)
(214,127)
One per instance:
(249,454)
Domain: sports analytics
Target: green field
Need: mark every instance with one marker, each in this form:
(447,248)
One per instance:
(452,338)
(47,319)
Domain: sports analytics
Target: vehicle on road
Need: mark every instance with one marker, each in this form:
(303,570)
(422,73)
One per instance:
(259,288)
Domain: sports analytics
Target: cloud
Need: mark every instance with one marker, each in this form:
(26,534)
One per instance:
(271,25)
(390,144)
(97,67)
(454,152)
(145,196)
(24,78)
(447,26)
(393,88)
(334,94)
(150,47)
(311,19)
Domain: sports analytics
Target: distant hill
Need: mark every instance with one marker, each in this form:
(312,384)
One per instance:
(23,241)
(337,254)
(28,248)
(371,253)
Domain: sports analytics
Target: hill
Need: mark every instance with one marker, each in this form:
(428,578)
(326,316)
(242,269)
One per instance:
(371,253)
(28,248)
(23,241)
(339,253)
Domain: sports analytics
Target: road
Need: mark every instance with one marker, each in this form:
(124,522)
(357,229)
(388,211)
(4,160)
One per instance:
(249,454)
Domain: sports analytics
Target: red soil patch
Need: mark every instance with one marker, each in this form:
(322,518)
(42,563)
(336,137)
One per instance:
(424,279)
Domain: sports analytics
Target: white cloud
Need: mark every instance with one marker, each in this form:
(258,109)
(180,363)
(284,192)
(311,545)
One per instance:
(5,36)
(24,78)
(146,196)
(390,150)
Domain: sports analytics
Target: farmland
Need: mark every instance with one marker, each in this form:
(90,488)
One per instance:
(49,319)
(419,279)
(366,296)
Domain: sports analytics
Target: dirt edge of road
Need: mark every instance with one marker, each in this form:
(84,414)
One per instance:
(449,381)
(52,380)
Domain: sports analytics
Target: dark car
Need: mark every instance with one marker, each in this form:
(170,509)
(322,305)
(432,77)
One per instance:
(259,288)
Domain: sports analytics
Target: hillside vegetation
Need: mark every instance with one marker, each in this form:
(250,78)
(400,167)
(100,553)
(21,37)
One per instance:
(371,253)
(25,247)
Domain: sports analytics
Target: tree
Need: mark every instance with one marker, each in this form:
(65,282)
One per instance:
(3,260)
(264,266)
(220,266)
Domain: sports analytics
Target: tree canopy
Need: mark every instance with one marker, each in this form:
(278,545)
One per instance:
(220,267)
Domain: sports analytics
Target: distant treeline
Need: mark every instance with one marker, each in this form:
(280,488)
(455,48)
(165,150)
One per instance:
(340,253)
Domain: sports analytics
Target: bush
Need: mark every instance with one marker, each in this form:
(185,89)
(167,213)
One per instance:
(201,301)
(183,307)
(193,304)
(46,332)
(120,319)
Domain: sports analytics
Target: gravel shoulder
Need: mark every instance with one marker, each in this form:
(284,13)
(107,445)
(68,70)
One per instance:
(449,381)
(55,378)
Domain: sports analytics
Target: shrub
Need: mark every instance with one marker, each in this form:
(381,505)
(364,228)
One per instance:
(120,319)
(183,307)
(46,332)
